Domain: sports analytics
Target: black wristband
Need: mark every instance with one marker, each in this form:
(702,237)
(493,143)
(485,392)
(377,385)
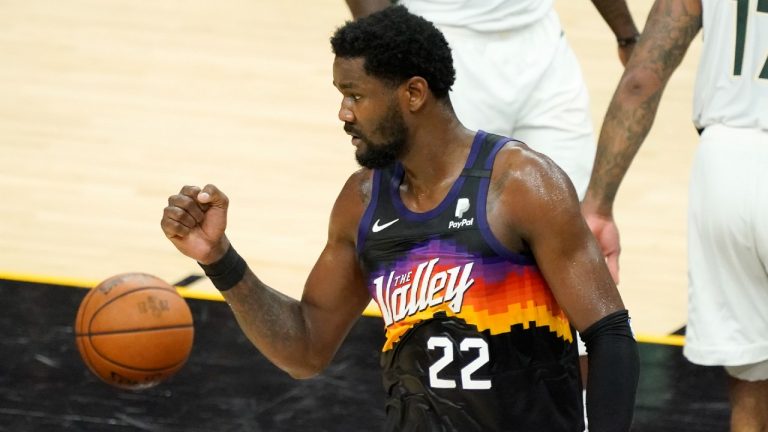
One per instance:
(226,272)
(631,40)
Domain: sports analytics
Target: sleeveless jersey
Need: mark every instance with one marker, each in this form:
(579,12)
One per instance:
(732,80)
(475,340)
(481,15)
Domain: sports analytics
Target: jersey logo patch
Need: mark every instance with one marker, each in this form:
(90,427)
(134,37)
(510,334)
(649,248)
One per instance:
(462,205)
(376,227)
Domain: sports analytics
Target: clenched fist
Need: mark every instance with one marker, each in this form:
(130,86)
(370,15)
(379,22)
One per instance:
(195,220)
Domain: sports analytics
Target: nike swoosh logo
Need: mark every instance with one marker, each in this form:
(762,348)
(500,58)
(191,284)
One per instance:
(376,227)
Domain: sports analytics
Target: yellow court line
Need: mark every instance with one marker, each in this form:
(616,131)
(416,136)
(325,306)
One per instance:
(189,292)
(200,294)
(676,340)
(52,280)
(84,283)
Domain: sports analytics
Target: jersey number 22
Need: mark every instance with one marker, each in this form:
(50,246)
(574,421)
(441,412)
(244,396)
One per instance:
(467,344)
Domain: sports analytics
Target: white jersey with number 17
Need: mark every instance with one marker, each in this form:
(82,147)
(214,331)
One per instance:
(732,81)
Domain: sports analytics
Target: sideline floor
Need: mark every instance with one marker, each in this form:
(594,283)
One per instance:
(228,386)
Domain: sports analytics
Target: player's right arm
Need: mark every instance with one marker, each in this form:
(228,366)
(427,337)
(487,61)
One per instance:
(616,14)
(361,8)
(535,208)
(300,337)
(671,26)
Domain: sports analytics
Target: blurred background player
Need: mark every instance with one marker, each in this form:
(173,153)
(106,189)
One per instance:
(728,202)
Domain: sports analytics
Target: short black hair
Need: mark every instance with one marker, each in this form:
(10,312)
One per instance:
(397,45)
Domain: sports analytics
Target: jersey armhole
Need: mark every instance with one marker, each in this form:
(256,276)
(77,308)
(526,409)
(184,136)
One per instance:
(482,210)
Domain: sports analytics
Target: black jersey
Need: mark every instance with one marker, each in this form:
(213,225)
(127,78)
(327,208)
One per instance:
(475,340)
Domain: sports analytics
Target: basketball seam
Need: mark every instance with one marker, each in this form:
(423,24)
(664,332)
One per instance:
(96,312)
(87,353)
(134,330)
(90,296)
(104,357)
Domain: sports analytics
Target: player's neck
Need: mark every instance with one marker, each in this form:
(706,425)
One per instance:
(436,156)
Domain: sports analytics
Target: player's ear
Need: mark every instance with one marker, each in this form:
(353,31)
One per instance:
(416,93)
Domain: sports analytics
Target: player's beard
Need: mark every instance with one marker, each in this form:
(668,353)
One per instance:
(393,131)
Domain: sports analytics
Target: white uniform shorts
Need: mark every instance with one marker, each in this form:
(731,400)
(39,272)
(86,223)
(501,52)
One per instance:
(526,84)
(728,249)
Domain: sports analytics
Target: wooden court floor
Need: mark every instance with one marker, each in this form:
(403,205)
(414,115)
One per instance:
(109,106)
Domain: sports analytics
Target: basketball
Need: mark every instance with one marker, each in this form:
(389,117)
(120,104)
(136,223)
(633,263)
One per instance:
(134,331)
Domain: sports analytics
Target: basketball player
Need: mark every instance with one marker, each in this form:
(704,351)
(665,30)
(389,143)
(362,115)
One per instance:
(517,76)
(728,202)
(473,246)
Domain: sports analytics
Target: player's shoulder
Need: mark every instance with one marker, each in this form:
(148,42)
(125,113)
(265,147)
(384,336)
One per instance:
(520,170)
(359,185)
(522,163)
(354,196)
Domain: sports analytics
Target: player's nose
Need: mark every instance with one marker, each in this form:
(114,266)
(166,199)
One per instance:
(345,114)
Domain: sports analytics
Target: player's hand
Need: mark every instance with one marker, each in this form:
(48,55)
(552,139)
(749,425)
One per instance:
(607,234)
(625,52)
(195,220)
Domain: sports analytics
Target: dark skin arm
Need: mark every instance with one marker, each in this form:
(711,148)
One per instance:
(361,8)
(671,26)
(617,16)
(535,206)
(300,337)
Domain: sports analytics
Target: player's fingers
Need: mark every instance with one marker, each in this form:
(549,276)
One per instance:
(190,191)
(171,226)
(188,204)
(181,216)
(214,197)
(193,192)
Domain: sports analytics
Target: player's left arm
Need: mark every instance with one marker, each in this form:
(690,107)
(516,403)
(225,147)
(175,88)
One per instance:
(671,26)
(543,211)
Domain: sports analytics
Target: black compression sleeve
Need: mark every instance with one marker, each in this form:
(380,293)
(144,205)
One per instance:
(614,369)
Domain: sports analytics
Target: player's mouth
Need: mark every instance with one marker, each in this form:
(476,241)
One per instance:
(356,140)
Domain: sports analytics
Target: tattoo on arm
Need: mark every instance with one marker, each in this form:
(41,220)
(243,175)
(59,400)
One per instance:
(270,319)
(670,29)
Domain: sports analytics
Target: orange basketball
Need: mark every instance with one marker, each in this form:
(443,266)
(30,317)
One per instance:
(134,330)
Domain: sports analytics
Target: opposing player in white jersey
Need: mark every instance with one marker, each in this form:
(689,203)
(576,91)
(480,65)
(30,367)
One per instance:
(728,196)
